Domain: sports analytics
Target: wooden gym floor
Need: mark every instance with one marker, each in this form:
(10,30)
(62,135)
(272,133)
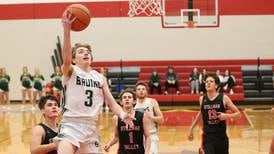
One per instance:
(250,135)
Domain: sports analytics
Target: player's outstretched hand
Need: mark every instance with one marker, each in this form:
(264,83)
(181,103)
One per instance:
(190,135)
(106,147)
(67,20)
(222,116)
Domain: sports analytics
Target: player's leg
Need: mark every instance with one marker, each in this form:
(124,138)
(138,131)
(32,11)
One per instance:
(222,145)
(91,146)
(208,144)
(66,147)
(154,144)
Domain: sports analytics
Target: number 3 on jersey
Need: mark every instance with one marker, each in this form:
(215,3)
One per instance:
(89,95)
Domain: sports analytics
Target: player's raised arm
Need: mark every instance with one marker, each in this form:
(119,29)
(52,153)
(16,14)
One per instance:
(229,104)
(115,137)
(158,117)
(146,133)
(67,53)
(115,107)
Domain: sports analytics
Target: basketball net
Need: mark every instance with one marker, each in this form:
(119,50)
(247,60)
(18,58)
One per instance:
(190,24)
(148,7)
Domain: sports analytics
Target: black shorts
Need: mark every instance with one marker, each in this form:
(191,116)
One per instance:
(215,144)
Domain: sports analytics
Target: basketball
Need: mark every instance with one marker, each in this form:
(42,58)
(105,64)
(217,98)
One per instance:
(82,15)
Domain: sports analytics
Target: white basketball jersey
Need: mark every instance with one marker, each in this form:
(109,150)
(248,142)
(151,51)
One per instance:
(147,105)
(83,94)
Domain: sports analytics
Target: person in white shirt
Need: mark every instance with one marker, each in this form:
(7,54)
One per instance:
(151,107)
(228,82)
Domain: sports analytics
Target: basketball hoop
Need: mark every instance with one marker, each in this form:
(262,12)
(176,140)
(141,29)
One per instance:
(147,7)
(190,24)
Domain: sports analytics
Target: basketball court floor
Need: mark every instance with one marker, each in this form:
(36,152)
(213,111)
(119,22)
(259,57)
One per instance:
(251,134)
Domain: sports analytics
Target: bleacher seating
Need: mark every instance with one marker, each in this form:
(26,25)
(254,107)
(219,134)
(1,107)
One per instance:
(183,78)
(183,68)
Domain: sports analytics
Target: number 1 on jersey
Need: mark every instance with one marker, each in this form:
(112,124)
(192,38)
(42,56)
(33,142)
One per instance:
(89,95)
(130,137)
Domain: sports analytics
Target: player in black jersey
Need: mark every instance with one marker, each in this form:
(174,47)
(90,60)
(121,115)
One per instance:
(42,134)
(131,140)
(214,116)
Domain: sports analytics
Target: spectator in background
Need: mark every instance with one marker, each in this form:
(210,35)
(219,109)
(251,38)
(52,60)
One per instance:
(26,80)
(228,82)
(202,78)
(221,78)
(171,80)
(194,81)
(38,83)
(155,82)
(56,78)
(4,88)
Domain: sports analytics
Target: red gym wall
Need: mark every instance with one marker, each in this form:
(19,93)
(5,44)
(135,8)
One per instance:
(28,35)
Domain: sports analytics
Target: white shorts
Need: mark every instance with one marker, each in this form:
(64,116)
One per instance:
(154,143)
(84,136)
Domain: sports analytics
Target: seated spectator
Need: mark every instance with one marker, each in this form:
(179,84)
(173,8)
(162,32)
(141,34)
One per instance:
(155,82)
(202,78)
(228,82)
(171,80)
(194,81)
(221,78)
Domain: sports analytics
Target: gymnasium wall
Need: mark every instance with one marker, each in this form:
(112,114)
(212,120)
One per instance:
(28,35)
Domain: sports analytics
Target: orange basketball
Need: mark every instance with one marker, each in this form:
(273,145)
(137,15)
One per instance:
(82,15)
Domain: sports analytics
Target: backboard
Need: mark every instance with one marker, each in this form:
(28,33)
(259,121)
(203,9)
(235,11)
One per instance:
(189,13)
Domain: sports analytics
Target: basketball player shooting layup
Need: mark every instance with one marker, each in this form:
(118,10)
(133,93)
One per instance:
(213,107)
(84,93)
(137,139)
